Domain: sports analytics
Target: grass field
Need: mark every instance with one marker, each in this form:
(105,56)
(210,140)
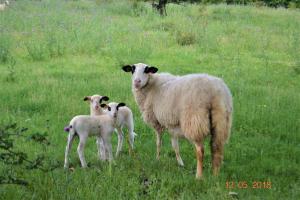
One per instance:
(53,53)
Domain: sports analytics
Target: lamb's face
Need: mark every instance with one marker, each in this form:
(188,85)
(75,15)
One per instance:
(140,74)
(95,101)
(112,108)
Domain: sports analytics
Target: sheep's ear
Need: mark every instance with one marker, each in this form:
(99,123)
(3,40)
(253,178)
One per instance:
(150,70)
(87,98)
(129,68)
(104,98)
(120,105)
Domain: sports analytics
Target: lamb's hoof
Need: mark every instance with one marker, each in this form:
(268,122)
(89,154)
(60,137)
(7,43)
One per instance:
(113,163)
(180,163)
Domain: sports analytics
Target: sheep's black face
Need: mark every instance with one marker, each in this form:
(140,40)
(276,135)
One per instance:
(141,73)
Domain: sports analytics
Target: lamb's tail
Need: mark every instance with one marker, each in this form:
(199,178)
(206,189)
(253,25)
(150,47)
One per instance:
(68,128)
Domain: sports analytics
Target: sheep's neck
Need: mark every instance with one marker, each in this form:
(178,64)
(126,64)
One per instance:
(140,97)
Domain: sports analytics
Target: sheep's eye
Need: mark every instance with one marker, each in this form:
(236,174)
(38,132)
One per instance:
(108,109)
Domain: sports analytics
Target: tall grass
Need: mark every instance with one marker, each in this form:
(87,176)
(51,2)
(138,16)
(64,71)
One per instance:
(53,53)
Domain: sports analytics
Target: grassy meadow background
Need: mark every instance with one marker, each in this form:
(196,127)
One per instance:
(53,53)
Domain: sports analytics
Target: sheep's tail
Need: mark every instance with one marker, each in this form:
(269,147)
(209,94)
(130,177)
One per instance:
(221,120)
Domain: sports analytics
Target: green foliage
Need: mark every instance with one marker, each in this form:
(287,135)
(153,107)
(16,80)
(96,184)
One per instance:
(5,44)
(271,3)
(60,51)
(15,159)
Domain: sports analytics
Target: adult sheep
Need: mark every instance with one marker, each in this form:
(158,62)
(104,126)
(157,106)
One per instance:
(191,106)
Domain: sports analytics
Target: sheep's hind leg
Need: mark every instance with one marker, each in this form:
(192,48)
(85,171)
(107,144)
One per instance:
(199,156)
(176,149)
(217,156)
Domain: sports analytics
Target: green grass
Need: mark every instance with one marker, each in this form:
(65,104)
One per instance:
(53,53)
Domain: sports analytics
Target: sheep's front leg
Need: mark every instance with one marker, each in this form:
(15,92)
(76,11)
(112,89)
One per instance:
(120,140)
(80,150)
(158,143)
(101,149)
(176,149)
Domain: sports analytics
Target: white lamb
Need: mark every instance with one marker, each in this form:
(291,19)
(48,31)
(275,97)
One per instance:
(191,106)
(124,119)
(101,126)
(96,109)
(4,5)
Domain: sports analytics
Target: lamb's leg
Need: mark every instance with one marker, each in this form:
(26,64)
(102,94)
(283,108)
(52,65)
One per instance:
(176,149)
(120,141)
(80,150)
(131,133)
(68,147)
(199,156)
(101,149)
(108,148)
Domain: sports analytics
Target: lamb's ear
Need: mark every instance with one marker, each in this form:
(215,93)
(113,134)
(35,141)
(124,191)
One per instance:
(104,98)
(120,105)
(87,98)
(104,105)
(150,70)
(128,68)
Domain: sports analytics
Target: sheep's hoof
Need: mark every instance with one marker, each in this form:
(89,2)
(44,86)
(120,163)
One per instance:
(199,177)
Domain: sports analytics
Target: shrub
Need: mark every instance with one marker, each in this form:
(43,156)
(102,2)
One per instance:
(185,38)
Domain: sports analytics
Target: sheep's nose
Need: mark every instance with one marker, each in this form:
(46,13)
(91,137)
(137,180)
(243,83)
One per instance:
(96,107)
(137,81)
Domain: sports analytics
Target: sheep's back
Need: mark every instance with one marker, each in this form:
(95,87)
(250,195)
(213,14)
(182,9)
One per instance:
(184,96)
